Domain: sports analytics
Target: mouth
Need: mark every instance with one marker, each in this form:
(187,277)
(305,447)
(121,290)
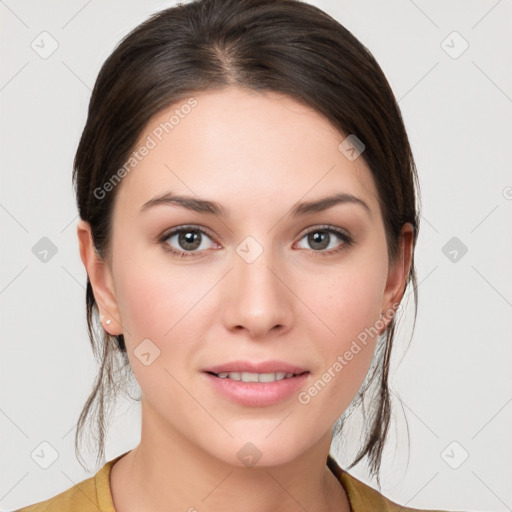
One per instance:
(256,377)
(265,371)
(257,384)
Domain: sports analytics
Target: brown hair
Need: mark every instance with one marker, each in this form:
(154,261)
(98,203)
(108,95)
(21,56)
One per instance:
(284,46)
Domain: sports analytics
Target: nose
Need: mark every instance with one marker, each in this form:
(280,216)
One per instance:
(256,297)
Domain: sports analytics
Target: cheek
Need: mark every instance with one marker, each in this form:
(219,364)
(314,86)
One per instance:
(153,299)
(348,302)
(158,306)
(349,299)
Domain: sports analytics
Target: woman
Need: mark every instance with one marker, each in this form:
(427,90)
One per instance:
(248,214)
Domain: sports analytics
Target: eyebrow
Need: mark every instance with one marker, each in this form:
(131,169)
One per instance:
(214,208)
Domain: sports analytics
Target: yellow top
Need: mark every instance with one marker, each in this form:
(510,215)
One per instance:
(93,494)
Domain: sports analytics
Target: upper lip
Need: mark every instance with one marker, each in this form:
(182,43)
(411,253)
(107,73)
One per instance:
(263,367)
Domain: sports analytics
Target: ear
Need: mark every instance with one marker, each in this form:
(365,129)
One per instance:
(100,276)
(398,272)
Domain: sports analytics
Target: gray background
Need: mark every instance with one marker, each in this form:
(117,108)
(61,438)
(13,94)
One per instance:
(455,380)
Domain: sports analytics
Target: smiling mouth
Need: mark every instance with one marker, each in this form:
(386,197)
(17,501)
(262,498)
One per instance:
(256,377)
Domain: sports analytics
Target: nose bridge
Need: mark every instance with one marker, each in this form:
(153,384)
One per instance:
(258,300)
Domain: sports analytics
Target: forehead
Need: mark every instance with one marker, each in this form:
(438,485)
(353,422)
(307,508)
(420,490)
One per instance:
(241,148)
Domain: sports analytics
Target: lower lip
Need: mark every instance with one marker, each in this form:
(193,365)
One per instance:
(257,394)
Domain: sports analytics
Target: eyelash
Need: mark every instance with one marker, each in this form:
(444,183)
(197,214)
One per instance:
(346,239)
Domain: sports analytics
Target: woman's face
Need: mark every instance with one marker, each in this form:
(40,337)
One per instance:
(275,275)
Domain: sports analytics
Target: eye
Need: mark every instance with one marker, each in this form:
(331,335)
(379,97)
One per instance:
(187,241)
(326,239)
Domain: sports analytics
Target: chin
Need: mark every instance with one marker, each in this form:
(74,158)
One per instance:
(260,452)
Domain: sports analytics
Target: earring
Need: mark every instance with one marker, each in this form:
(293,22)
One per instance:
(108,322)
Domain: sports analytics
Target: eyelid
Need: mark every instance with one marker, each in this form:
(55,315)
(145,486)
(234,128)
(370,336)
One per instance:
(182,227)
(323,227)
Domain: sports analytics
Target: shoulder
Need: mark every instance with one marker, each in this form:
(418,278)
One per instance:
(81,497)
(364,498)
(90,495)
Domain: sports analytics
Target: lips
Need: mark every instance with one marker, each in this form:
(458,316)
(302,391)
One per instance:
(262,367)
(269,389)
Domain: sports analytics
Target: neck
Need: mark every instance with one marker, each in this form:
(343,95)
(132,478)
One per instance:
(189,479)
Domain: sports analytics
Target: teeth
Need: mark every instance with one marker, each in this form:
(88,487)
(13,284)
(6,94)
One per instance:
(255,377)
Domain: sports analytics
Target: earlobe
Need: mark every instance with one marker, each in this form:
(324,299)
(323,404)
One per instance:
(101,280)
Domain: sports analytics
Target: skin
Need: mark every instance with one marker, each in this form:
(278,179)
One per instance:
(257,154)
